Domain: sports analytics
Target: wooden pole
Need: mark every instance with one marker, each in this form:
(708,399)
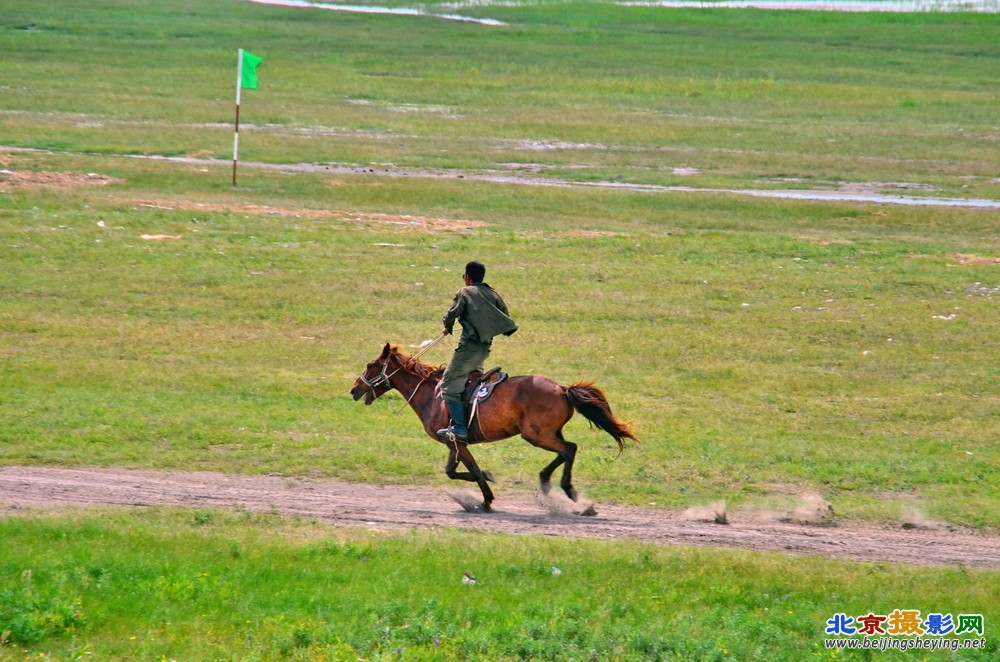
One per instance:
(236,132)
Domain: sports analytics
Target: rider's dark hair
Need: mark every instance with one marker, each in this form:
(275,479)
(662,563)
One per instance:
(476,271)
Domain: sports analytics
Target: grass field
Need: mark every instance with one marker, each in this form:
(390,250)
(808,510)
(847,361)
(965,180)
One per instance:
(744,97)
(764,348)
(756,362)
(175,585)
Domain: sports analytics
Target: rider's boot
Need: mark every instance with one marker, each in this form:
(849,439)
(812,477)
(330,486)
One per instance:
(458,427)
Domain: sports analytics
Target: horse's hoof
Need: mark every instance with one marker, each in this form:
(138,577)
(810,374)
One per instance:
(486,508)
(571,493)
(589,511)
(488,477)
(546,487)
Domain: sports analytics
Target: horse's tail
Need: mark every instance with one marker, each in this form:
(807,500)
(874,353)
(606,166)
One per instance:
(592,403)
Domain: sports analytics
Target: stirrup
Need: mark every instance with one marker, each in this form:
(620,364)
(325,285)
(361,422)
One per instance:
(451,436)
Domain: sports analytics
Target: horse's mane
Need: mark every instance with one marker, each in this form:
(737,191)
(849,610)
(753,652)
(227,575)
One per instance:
(416,366)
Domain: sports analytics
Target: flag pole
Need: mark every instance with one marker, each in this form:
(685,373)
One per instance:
(236,132)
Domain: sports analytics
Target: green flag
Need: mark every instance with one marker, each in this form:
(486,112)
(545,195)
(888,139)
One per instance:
(248,73)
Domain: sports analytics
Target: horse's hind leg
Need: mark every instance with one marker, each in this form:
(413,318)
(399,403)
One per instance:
(565,454)
(545,475)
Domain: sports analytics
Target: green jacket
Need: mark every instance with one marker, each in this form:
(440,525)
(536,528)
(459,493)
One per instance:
(482,313)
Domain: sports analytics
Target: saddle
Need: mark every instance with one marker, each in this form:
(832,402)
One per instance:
(481,384)
(479,387)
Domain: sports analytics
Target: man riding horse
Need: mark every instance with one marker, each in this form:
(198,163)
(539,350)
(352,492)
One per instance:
(533,406)
(483,315)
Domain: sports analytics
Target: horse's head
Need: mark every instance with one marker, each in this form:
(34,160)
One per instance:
(374,380)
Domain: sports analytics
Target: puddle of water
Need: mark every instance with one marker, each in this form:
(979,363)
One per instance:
(836,196)
(898,6)
(365,9)
(822,196)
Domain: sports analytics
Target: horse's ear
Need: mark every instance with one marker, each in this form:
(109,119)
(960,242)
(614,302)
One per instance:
(385,351)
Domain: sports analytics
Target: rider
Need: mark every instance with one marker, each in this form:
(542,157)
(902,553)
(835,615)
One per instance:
(483,315)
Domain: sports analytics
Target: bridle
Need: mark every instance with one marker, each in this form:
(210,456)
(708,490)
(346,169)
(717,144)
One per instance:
(382,379)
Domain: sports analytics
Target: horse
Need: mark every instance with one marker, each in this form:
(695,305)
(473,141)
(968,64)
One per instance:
(535,406)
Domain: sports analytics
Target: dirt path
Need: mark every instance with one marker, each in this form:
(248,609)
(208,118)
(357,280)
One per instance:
(409,507)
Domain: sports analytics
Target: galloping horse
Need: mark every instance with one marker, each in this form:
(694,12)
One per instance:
(534,406)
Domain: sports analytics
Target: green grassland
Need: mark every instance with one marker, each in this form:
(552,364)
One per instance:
(223,586)
(756,363)
(757,360)
(746,98)
(763,348)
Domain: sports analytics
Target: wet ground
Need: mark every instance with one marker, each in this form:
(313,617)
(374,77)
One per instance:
(440,10)
(872,192)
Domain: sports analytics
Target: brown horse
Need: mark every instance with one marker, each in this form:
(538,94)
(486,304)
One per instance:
(535,407)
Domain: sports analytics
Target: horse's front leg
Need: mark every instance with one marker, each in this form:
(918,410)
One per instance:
(453,461)
(474,474)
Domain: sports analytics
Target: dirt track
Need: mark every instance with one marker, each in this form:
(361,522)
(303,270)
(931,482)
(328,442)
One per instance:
(407,507)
